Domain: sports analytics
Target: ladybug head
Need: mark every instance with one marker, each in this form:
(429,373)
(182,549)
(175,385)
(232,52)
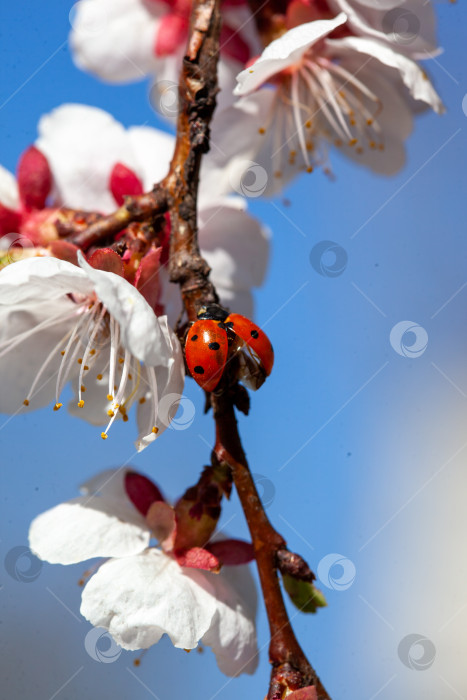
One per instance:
(213,312)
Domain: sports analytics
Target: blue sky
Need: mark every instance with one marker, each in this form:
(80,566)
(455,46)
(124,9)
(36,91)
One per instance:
(360,450)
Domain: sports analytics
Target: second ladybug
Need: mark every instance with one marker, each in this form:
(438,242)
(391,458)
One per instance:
(215,337)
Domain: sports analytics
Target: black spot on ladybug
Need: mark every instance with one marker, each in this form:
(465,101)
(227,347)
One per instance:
(194,337)
(254,334)
(198,369)
(214,346)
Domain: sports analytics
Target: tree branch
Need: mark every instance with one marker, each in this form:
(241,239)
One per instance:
(197,98)
(290,667)
(140,208)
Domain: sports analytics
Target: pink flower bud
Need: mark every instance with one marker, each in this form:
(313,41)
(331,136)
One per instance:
(141,491)
(107,260)
(9,221)
(34,178)
(124,181)
(172,33)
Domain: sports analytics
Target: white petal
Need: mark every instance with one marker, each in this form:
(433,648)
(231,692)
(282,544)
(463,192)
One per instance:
(153,151)
(139,598)
(413,77)
(236,141)
(236,247)
(141,332)
(41,278)
(19,367)
(88,527)
(109,483)
(170,381)
(284,52)
(115,38)
(410,26)
(232,634)
(9,196)
(82,145)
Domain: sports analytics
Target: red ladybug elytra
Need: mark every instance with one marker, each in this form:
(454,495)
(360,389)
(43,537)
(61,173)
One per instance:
(216,334)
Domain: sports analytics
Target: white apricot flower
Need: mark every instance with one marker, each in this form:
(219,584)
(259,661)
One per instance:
(61,322)
(355,93)
(124,40)
(142,593)
(95,160)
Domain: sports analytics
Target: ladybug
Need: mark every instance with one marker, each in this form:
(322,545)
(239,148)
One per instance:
(214,336)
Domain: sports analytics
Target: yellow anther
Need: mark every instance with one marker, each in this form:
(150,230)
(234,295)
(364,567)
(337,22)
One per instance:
(83,388)
(92,352)
(277,173)
(250,71)
(26,402)
(125,417)
(62,352)
(121,360)
(352,122)
(80,403)
(308,124)
(57,406)
(85,367)
(369,122)
(104,436)
(99,377)
(352,142)
(372,144)
(80,360)
(261,130)
(309,169)
(155,430)
(130,376)
(109,397)
(142,399)
(110,413)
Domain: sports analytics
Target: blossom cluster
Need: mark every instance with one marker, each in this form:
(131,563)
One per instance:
(297,79)
(309,75)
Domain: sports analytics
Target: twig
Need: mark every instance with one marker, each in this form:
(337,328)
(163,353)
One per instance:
(139,208)
(197,100)
(197,92)
(290,667)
